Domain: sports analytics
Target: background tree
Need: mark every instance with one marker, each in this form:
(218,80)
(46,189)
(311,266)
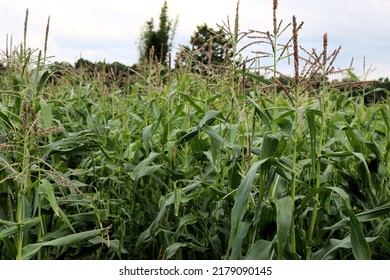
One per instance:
(157,43)
(210,48)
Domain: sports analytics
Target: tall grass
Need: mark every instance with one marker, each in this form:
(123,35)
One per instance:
(234,165)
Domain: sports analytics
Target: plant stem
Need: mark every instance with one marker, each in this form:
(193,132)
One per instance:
(275,93)
(316,198)
(19,214)
(293,181)
(21,195)
(318,170)
(275,62)
(295,135)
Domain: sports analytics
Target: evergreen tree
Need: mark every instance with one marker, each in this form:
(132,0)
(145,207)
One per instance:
(157,43)
(220,45)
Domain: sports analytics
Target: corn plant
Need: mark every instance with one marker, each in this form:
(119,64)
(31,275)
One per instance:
(44,213)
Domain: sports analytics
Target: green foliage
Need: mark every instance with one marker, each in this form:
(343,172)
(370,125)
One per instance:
(157,43)
(212,48)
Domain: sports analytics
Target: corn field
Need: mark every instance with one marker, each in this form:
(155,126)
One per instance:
(181,165)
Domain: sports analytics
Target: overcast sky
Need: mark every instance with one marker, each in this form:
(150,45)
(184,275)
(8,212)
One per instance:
(109,29)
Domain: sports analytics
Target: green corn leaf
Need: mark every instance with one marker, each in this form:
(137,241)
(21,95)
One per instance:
(187,220)
(215,136)
(146,137)
(374,213)
(9,117)
(312,193)
(90,216)
(239,207)
(12,229)
(208,118)
(360,156)
(310,114)
(70,146)
(74,238)
(172,249)
(147,171)
(365,216)
(284,124)
(8,223)
(6,120)
(266,118)
(360,248)
(242,231)
(92,126)
(65,219)
(9,231)
(46,114)
(146,162)
(30,250)
(270,147)
(283,221)
(194,131)
(259,251)
(330,248)
(48,192)
(160,117)
(256,77)
(353,76)
(40,79)
(342,194)
(385,117)
(191,100)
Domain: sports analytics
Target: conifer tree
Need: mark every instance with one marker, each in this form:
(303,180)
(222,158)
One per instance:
(157,41)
